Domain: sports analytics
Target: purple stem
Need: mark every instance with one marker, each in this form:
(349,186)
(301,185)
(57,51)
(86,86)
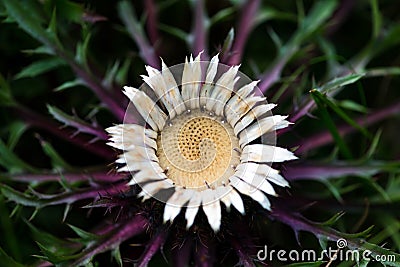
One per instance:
(245,26)
(273,74)
(36,120)
(103,94)
(71,197)
(325,137)
(181,254)
(199,31)
(69,177)
(151,22)
(136,32)
(309,171)
(298,223)
(119,233)
(152,247)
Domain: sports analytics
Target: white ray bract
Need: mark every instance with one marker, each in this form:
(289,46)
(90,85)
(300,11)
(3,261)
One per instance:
(252,192)
(205,90)
(261,127)
(212,208)
(191,82)
(265,153)
(149,111)
(253,114)
(222,91)
(175,203)
(149,189)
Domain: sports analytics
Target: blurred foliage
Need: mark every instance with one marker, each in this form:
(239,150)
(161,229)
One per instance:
(331,65)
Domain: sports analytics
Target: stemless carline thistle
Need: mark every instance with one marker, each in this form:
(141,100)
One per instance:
(200,143)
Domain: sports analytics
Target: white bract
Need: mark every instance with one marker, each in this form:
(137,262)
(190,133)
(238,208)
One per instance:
(199,145)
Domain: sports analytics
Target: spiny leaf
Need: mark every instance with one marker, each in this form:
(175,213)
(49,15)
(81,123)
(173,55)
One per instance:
(52,243)
(333,219)
(20,198)
(82,50)
(54,257)
(27,17)
(75,122)
(340,82)
(40,67)
(85,236)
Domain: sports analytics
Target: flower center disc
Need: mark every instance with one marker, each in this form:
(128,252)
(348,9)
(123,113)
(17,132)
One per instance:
(198,151)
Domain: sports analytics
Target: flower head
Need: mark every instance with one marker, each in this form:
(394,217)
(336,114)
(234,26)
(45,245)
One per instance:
(205,140)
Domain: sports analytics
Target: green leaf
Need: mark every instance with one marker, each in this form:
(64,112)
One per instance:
(269,13)
(327,120)
(39,50)
(20,198)
(26,15)
(333,219)
(335,192)
(69,84)
(174,31)
(340,112)
(116,254)
(68,10)
(6,98)
(351,105)
(121,76)
(73,121)
(9,238)
(340,82)
(12,162)
(376,19)
(110,74)
(82,50)
(57,161)
(85,236)
(389,71)
(221,15)
(16,130)
(40,67)
(226,47)
(54,257)
(7,260)
(319,13)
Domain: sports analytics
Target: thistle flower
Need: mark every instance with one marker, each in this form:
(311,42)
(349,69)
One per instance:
(200,144)
(197,134)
